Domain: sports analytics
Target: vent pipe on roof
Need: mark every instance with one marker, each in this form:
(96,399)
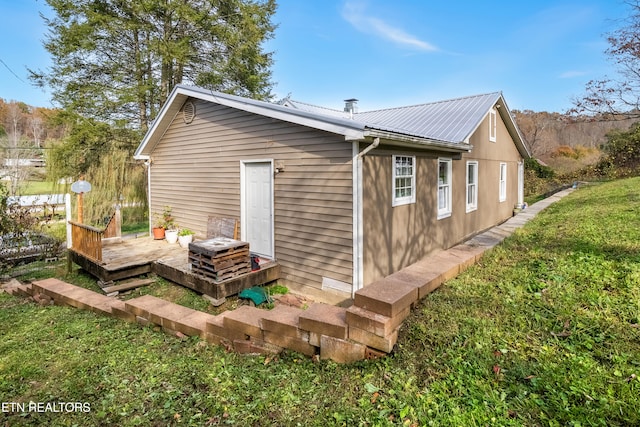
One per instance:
(351,106)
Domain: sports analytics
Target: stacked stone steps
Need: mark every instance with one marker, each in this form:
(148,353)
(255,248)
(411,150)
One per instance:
(22,291)
(63,293)
(173,318)
(281,327)
(380,308)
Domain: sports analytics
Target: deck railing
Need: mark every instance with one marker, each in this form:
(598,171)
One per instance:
(86,240)
(114,226)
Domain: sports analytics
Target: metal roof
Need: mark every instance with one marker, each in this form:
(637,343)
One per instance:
(450,121)
(445,125)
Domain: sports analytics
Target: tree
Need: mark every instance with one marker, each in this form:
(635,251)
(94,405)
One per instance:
(103,154)
(613,96)
(17,150)
(622,153)
(532,125)
(116,61)
(37,129)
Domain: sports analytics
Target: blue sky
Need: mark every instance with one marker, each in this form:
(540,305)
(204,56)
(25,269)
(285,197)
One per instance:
(392,53)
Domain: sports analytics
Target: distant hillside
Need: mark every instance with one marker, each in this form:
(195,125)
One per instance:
(559,140)
(564,142)
(20,122)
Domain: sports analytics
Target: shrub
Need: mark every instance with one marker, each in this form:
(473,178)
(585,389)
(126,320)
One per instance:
(13,217)
(540,170)
(622,154)
(564,151)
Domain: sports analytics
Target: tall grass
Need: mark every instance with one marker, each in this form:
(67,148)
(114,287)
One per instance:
(543,331)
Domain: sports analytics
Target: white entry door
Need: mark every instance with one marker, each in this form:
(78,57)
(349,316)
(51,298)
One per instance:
(257,206)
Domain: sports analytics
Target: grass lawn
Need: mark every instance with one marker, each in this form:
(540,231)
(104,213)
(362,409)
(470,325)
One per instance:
(543,331)
(40,187)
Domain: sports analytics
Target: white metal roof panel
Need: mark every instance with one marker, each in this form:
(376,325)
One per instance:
(450,121)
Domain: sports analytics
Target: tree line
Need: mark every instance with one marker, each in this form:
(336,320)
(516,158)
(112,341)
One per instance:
(25,133)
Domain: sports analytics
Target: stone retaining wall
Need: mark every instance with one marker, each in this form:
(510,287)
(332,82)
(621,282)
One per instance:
(367,329)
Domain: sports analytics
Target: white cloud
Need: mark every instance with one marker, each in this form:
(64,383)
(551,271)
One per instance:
(354,13)
(571,74)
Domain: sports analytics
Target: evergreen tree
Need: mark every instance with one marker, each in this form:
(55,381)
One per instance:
(117,60)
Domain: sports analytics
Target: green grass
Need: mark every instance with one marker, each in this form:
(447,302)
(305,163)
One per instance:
(39,187)
(543,331)
(134,219)
(137,227)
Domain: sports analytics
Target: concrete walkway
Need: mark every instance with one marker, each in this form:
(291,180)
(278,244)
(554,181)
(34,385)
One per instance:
(366,329)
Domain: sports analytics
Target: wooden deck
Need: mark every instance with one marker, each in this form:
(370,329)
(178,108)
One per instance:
(177,268)
(127,258)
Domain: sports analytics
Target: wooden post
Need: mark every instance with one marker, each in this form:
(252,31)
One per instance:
(68,213)
(118,219)
(69,263)
(80,208)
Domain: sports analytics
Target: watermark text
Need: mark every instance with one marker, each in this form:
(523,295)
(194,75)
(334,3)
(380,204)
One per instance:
(60,407)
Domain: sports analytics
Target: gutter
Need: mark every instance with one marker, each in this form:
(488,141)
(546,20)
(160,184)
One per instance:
(413,141)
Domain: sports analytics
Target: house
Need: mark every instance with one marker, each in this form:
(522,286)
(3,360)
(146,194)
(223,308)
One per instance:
(338,198)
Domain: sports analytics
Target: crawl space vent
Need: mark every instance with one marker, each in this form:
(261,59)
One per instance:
(188,112)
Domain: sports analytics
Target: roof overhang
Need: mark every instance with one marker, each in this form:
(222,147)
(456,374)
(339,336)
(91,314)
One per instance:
(408,141)
(512,127)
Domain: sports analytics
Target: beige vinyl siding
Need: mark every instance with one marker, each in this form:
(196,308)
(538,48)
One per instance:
(196,170)
(395,237)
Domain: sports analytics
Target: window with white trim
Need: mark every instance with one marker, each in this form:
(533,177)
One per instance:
(492,125)
(503,182)
(472,186)
(444,188)
(404,180)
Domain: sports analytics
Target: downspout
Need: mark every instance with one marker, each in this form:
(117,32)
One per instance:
(147,163)
(358,227)
(520,204)
(376,142)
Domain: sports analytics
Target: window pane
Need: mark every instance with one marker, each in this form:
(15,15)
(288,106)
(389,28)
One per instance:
(444,187)
(442,173)
(503,182)
(443,198)
(404,178)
